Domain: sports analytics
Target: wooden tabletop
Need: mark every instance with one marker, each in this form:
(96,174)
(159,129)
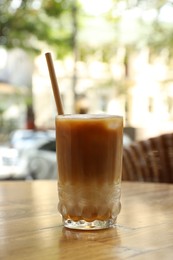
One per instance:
(30,226)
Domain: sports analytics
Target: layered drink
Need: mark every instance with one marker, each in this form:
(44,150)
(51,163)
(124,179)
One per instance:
(89,157)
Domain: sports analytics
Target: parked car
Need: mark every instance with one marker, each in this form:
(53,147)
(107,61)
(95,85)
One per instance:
(39,162)
(10,168)
(24,139)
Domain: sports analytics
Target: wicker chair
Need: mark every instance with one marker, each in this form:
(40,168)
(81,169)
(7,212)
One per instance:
(149,160)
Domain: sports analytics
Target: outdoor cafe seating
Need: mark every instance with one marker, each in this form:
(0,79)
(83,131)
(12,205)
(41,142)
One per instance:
(149,160)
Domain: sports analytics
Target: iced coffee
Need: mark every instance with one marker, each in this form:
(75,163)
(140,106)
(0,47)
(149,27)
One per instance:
(89,157)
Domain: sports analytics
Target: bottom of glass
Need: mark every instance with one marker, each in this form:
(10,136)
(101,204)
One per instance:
(94,225)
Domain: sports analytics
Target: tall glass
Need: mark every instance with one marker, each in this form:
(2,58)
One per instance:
(89,157)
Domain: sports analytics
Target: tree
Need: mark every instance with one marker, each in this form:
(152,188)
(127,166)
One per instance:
(30,24)
(143,24)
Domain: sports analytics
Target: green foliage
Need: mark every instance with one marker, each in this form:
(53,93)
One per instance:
(32,24)
(29,26)
(55,8)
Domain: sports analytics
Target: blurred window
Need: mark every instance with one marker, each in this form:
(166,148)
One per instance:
(150,104)
(103,102)
(170,104)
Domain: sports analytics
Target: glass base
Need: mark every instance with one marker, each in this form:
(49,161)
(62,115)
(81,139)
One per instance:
(94,225)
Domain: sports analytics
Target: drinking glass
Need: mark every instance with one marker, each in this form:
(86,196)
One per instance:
(89,157)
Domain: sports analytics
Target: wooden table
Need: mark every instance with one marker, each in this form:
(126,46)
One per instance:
(30,226)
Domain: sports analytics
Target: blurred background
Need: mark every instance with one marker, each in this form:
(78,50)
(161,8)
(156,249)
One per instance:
(113,56)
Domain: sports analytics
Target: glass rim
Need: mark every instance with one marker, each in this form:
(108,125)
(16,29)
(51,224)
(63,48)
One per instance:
(88,116)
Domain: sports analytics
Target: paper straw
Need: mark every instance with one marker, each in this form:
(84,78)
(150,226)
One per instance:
(54,82)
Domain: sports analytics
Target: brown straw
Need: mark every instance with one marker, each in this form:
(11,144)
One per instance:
(54,83)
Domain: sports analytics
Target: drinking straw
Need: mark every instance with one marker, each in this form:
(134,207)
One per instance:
(54,82)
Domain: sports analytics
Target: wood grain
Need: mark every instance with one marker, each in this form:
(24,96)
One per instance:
(30,226)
